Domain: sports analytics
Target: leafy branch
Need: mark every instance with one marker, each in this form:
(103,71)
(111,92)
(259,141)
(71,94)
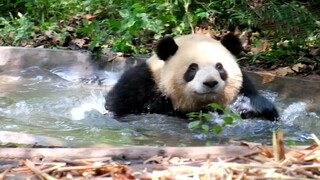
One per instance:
(202,123)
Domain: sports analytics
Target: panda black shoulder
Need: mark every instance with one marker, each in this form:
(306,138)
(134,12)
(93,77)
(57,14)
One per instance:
(133,90)
(232,43)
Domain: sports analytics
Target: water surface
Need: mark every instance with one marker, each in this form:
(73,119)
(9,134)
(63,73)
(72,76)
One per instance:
(57,102)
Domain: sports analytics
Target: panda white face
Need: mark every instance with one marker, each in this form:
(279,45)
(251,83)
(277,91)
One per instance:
(206,79)
(199,71)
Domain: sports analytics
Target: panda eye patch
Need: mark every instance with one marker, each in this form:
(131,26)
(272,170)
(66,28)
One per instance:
(219,66)
(191,72)
(223,73)
(193,67)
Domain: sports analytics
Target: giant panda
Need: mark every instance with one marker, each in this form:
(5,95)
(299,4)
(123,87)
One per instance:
(185,75)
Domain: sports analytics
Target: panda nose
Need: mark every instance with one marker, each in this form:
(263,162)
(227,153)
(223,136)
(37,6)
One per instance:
(210,84)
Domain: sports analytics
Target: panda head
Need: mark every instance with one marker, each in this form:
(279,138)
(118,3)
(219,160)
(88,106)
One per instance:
(195,70)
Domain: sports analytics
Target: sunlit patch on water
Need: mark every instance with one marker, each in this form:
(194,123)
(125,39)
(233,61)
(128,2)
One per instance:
(70,105)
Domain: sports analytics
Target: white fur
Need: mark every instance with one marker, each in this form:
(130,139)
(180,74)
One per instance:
(205,73)
(193,96)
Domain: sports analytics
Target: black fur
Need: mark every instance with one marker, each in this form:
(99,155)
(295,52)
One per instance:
(232,43)
(262,106)
(135,93)
(166,47)
(136,90)
(223,73)
(191,72)
(135,87)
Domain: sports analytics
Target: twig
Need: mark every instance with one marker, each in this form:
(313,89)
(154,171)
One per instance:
(95,159)
(77,162)
(4,173)
(278,146)
(275,146)
(245,155)
(52,168)
(315,138)
(26,169)
(302,158)
(306,173)
(40,174)
(77,168)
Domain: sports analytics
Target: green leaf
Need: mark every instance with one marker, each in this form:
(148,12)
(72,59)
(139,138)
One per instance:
(128,23)
(137,6)
(257,42)
(114,23)
(143,17)
(228,120)
(206,115)
(216,129)
(193,115)
(85,22)
(125,13)
(209,143)
(237,116)
(292,142)
(227,110)
(194,124)
(168,18)
(201,13)
(216,106)
(256,56)
(205,128)
(93,44)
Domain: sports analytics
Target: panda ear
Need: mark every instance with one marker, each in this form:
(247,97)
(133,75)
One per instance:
(232,43)
(166,47)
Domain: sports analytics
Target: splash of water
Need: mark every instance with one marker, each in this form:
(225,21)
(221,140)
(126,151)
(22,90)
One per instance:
(293,111)
(95,101)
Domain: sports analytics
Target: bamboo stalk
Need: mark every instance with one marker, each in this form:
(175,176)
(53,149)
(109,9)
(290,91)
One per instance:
(77,168)
(39,173)
(280,145)
(95,159)
(315,138)
(4,173)
(275,146)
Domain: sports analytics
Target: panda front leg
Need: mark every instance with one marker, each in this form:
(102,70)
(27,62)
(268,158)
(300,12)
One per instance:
(259,105)
(132,92)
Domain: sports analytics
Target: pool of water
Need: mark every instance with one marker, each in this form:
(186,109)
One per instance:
(69,104)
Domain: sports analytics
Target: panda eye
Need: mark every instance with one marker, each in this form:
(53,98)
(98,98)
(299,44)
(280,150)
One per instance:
(193,67)
(219,66)
(191,72)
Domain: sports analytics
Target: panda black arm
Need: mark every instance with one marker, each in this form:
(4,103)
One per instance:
(133,90)
(260,105)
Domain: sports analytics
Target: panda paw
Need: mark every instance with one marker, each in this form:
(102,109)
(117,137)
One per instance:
(262,107)
(255,106)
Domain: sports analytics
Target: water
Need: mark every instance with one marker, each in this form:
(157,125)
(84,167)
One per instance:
(70,105)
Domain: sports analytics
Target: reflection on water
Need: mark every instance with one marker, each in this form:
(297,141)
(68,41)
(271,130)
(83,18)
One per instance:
(70,105)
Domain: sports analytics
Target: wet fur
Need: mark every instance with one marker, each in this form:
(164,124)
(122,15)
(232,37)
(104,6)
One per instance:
(157,86)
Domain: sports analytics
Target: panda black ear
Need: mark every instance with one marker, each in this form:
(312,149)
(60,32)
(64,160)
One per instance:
(166,47)
(232,43)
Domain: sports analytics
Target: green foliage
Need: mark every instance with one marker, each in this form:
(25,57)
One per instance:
(93,29)
(289,19)
(202,123)
(16,29)
(131,26)
(292,142)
